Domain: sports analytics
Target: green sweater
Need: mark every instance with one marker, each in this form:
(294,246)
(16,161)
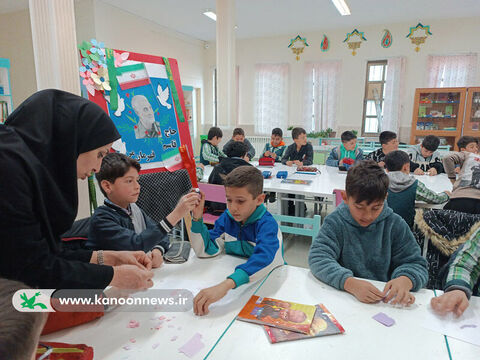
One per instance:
(384,250)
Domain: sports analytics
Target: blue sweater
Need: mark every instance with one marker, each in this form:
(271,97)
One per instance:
(384,250)
(259,239)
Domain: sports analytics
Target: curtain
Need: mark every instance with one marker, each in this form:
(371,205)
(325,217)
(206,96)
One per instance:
(271,97)
(451,70)
(394,94)
(321,89)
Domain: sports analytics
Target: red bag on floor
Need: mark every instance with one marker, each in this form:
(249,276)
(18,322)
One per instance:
(62,351)
(266,161)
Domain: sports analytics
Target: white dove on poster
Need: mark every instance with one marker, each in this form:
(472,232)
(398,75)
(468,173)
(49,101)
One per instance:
(163,96)
(119,146)
(121,104)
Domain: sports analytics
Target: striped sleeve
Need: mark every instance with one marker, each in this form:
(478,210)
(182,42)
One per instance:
(208,154)
(429,196)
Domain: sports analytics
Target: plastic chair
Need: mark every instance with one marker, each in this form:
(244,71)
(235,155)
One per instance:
(215,193)
(313,232)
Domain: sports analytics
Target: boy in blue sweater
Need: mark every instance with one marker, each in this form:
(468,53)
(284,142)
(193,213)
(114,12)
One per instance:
(364,238)
(120,224)
(246,229)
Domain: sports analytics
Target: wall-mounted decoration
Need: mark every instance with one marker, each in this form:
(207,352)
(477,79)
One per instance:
(387,39)
(297,45)
(418,34)
(325,45)
(354,40)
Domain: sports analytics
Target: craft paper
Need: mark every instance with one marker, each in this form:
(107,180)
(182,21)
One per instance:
(465,328)
(193,346)
(384,319)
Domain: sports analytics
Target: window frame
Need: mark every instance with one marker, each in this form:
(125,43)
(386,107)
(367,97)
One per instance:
(384,63)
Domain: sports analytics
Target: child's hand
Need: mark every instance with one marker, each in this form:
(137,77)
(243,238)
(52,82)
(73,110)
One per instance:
(457,170)
(455,301)
(449,193)
(200,165)
(399,290)
(157,258)
(188,202)
(208,296)
(432,172)
(273,155)
(137,258)
(340,163)
(197,211)
(267,153)
(418,171)
(381,164)
(289,163)
(298,163)
(363,290)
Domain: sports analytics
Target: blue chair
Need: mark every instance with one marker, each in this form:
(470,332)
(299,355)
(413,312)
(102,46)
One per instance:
(313,232)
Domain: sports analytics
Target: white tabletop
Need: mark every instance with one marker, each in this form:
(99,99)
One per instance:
(326,181)
(364,338)
(109,334)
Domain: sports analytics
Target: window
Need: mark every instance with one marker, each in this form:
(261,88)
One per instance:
(374,96)
(271,97)
(451,71)
(321,81)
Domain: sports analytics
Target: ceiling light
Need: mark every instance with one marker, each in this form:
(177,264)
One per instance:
(212,15)
(342,7)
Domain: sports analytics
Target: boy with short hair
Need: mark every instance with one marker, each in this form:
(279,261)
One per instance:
(210,154)
(425,157)
(19,331)
(246,229)
(364,238)
(239,136)
(388,142)
(120,224)
(404,189)
(347,153)
(466,188)
(462,279)
(236,157)
(276,147)
(299,153)
(468,144)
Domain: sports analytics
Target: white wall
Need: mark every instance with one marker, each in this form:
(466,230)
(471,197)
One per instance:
(16,45)
(449,37)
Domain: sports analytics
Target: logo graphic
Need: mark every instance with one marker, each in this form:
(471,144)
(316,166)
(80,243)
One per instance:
(30,303)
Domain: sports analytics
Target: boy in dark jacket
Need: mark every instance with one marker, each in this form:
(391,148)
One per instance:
(120,224)
(236,156)
(299,153)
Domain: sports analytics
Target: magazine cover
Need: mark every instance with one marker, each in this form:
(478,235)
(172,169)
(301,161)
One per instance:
(324,323)
(277,313)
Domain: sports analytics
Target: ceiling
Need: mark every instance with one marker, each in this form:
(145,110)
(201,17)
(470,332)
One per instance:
(263,18)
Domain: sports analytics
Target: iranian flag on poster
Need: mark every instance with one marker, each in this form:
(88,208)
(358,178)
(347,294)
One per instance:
(172,160)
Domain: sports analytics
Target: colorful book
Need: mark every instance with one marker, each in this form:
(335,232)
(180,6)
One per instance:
(296,181)
(307,169)
(422,110)
(324,323)
(277,313)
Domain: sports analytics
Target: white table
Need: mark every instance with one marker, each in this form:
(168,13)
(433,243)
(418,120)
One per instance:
(364,338)
(460,349)
(328,180)
(109,334)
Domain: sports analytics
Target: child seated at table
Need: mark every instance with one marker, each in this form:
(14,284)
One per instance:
(404,189)
(239,136)
(236,156)
(246,229)
(120,224)
(388,142)
(364,238)
(276,147)
(19,331)
(463,279)
(299,153)
(209,152)
(468,144)
(347,153)
(466,188)
(425,157)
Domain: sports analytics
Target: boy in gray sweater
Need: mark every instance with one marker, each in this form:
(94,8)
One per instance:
(364,238)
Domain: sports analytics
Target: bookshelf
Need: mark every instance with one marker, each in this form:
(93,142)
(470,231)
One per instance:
(6,104)
(471,125)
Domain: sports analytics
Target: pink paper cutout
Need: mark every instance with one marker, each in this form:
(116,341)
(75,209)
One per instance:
(132,324)
(162,317)
(192,346)
(132,340)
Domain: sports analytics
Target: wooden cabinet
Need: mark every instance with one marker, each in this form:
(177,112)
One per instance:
(438,112)
(471,125)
